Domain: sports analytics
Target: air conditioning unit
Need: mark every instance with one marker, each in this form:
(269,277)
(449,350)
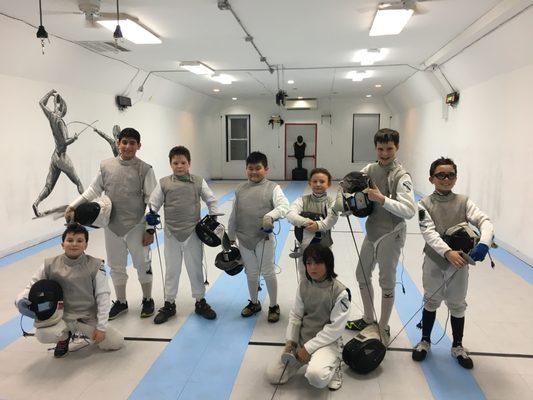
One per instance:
(301,104)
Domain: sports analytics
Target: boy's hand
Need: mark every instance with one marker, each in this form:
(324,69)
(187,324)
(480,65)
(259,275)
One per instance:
(148,238)
(311,226)
(374,194)
(290,346)
(455,258)
(98,336)
(302,355)
(268,223)
(69,214)
(479,252)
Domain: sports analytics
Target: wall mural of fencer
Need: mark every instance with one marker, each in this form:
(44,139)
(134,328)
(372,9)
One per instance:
(60,161)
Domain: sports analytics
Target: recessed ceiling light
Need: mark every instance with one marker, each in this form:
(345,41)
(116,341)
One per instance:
(368,95)
(216,90)
(390,19)
(233,98)
(369,56)
(196,67)
(131,30)
(300,97)
(223,79)
(358,76)
(290,82)
(378,85)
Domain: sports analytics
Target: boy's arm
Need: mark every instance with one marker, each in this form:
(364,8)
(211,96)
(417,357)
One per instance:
(295,319)
(404,206)
(293,215)
(150,182)
(94,190)
(102,295)
(209,198)
(334,330)
(430,235)
(22,301)
(157,198)
(331,219)
(281,204)
(481,221)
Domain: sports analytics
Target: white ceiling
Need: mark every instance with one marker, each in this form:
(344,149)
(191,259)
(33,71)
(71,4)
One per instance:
(290,33)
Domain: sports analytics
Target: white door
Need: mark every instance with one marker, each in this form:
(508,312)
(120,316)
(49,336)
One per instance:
(237,146)
(365,127)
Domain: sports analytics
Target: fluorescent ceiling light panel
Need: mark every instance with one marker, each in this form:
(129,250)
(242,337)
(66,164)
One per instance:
(369,56)
(196,67)
(216,90)
(358,76)
(131,31)
(223,79)
(290,82)
(234,98)
(390,20)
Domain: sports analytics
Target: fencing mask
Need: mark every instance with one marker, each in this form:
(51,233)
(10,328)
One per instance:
(46,297)
(210,231)
(229,261)
(461,237)
(352,196)
(364,352)
(95,213)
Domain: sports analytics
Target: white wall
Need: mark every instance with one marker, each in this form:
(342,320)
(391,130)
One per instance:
(167,115)
(489,134)
(334,141)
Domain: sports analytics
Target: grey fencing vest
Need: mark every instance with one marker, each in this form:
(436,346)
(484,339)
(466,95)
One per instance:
(318,205)
(252,202)
(381,221)
(181,205)
(76,280)
(319,299)
(445,211)
(124,184)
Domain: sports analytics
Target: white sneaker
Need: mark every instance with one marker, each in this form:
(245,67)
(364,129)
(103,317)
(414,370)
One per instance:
(421,350)
(385,335)
(462,356)
(336,380)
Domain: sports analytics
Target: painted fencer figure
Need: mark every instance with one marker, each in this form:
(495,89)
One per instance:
(318,205)
(111,140)
(128,182)
(85,296)
(180,195)
(394,202)
(438,212)
(258,203)
(316,322)
(60,161)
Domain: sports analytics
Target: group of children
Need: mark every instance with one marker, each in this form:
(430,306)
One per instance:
(322,304)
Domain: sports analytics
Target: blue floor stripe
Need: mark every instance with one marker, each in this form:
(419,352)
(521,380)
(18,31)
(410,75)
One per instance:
(10,330)
(203,359)
(446,379)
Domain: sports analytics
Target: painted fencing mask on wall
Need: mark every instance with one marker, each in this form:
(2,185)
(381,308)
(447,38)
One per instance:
(461,237)
(353,198)
(45,296)
(95,213)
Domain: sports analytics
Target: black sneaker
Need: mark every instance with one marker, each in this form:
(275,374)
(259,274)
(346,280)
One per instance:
(420,351)
(251,309)
(61,349)
(148,308)
(165,312)
(117,309)
(357,325)
(202,308)
(273,313)
(462,356)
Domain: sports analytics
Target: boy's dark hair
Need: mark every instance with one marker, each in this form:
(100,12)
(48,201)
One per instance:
(129,133)
(320,254)
(74,228)
(320,171)
(256,157)
(386,135)
(441,161)
(179,151)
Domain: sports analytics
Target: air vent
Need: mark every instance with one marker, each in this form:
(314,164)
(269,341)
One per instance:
(301,104)
(102,47)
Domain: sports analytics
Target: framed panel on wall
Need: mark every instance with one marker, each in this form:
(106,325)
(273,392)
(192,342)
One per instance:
(364,128)
(237,137)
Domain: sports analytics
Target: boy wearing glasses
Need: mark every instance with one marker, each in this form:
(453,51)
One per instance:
(438,212)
